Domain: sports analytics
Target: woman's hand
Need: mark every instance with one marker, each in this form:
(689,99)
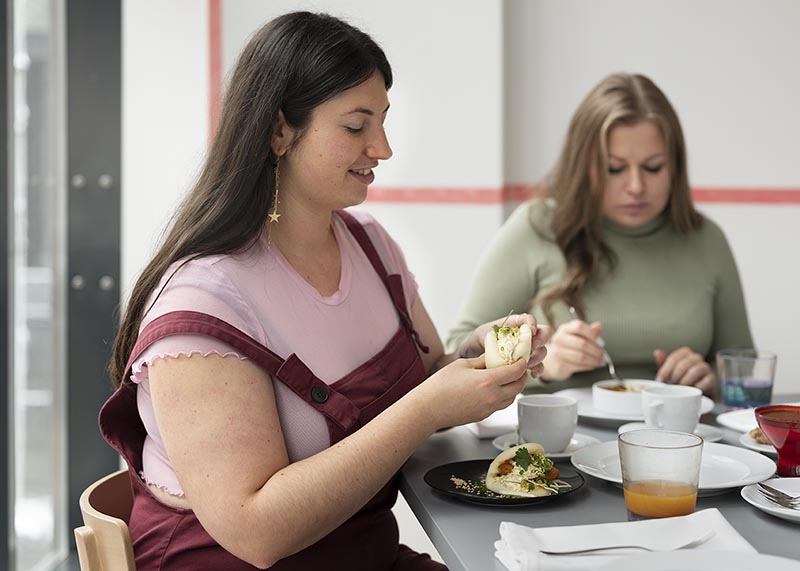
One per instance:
(685,367)
(574,348)
(466,391)
(473,346)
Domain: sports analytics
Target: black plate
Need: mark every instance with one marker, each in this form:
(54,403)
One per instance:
(474,471)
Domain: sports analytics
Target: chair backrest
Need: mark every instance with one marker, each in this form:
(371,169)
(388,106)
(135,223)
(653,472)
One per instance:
(104,542)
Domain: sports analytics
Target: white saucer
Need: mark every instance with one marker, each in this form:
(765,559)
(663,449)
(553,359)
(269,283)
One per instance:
(742,420)
(749,442)
(789,485)
(506,441)
(705,431)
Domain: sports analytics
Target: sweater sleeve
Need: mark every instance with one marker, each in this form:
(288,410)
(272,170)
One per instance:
(506,278)
(731,327)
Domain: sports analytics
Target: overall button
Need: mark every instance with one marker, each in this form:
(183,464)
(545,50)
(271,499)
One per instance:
(319,394)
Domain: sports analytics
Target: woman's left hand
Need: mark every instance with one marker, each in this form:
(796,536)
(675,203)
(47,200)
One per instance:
(473,346)
(685,367)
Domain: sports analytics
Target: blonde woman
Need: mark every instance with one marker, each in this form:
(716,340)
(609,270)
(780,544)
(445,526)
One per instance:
(618,239)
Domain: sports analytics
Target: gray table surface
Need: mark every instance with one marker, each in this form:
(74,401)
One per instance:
(464,533)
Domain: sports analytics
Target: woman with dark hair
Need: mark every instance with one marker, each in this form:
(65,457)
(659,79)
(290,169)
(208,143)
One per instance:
(275,365)
(617,243)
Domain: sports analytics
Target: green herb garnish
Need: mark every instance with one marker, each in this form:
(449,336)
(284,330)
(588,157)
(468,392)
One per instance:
(523,458)
(502,328)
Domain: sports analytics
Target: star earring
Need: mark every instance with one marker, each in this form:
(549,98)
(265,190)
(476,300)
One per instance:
(273,216)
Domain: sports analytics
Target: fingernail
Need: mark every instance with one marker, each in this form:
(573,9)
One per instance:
(659,380)
(601,342)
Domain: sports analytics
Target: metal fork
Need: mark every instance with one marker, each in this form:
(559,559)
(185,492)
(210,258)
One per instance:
(784,501)
(694,543)
(788,504)
(611,368)
(777,493)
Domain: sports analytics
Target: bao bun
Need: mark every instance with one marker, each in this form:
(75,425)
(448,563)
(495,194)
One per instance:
(506,351)
(494,477)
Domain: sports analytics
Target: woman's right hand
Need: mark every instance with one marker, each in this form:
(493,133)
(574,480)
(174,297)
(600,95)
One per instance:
(573,348)
(466,391)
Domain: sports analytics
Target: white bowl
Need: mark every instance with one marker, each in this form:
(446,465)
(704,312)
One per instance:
(628,402)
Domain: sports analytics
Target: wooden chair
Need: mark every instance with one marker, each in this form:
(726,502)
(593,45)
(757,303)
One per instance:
(104,542)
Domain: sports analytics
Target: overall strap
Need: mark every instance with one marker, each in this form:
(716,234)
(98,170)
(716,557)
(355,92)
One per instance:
(292,372)
(194,322)
(393,283)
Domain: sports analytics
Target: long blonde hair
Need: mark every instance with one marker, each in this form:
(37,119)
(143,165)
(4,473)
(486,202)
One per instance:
(579,178)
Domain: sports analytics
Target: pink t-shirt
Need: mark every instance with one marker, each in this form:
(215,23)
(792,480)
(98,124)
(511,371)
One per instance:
(260,293)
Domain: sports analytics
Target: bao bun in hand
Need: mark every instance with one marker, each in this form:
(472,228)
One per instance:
(523,471)
(504,345)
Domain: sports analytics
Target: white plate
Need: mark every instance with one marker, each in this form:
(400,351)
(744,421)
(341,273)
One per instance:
(701,560)
(789,485)
(743,420)
(587,410)
(721,468)
(705,431)
(506,441)
(749,442)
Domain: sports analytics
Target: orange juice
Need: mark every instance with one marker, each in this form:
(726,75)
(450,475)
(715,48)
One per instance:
(659,498)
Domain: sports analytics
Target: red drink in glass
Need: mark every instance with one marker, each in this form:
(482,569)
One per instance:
(781,425)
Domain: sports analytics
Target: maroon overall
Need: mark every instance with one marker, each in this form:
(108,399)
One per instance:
(172,539)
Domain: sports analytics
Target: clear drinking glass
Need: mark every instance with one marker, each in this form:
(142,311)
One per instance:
(746,377)
(660,472)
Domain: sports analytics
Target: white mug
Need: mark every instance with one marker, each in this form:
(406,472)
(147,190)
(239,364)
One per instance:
(672,407)
(549,420)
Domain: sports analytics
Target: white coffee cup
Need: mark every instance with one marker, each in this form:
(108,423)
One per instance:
(549,420)
(672,407)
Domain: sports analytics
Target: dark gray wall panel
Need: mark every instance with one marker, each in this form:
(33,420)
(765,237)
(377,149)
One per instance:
(5,315)
(93,162)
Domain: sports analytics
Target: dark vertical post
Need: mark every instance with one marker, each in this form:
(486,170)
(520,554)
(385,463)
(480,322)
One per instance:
(5,290)
(94,66)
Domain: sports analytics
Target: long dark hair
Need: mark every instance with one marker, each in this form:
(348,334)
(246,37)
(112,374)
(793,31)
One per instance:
(292,64)
(579,178)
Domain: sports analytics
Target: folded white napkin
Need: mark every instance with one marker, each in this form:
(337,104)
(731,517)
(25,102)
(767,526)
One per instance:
(518,547)
(500,422)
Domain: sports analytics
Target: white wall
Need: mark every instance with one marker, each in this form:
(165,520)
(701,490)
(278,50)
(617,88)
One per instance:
(164,117)
(446,60)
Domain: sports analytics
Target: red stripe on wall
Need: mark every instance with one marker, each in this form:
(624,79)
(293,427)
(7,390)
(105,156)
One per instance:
(520,192)
(454,195)
(465,195)
(747,195)
(214,64)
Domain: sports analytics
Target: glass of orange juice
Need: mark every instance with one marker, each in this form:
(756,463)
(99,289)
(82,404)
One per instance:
(660,472)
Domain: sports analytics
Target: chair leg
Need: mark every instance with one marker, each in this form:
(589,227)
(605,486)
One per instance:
(87,549)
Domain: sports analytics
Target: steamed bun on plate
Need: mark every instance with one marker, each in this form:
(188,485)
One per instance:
(523,471)
(504,345)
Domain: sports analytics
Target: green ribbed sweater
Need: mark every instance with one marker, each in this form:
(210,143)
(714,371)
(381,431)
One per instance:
(667,290)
